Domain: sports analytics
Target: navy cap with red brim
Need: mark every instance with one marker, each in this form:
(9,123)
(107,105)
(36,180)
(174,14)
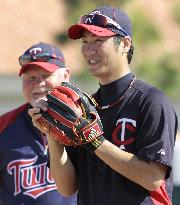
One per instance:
(76,31)
(50,67)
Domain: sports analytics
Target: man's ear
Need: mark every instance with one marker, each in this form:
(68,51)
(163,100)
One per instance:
(126,43)
(67,75)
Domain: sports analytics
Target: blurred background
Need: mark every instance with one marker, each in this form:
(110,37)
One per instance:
(156,37)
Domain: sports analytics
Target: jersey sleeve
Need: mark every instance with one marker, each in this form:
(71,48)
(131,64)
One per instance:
(156,128)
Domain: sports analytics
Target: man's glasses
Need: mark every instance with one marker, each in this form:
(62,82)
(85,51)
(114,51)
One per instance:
(39,57)
(100,20)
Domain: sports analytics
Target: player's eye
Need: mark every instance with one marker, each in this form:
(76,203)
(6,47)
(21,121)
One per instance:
(98,40)
(84,41)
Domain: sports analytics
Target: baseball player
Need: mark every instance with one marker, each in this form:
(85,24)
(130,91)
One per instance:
(129,160)
(25,178)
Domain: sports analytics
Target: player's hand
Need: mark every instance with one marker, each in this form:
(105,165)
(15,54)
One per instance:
(71,117)
(36,115)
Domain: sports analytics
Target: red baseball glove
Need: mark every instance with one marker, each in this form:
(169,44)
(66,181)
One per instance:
(71,117)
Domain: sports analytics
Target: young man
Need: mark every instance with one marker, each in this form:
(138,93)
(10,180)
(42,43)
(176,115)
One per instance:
(133,165)
(25,178)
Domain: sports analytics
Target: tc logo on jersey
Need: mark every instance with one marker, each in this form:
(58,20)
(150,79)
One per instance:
(124,132)
(32,180)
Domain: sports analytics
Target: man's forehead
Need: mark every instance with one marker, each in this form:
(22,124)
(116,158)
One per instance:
(35,69)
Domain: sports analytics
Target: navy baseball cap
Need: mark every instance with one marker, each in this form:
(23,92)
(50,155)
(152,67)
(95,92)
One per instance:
(103,21)
(44,55)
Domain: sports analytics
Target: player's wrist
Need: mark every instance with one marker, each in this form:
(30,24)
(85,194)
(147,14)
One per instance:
(94,144)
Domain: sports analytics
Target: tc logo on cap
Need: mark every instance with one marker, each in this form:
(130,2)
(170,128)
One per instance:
(35,51)
(91,17)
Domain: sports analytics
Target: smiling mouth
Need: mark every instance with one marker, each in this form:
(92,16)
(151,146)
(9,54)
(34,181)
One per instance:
(93,62)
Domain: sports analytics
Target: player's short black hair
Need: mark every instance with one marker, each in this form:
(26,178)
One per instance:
(117,39)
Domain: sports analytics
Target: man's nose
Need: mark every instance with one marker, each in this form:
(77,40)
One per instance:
(91,48)
(40,79)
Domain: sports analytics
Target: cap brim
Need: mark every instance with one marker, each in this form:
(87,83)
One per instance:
(76,31)
(44,65)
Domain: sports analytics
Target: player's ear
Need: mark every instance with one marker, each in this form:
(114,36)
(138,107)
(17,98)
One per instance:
(66,75)
(126,43)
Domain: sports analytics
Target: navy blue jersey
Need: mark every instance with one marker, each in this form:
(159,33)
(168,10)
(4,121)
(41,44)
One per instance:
(143,123)
(25,178)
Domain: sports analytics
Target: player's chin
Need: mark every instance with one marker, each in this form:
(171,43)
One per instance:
(93,70)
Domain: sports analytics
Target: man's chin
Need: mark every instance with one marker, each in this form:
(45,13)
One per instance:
(35,102)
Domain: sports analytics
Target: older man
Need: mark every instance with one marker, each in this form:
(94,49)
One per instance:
(25,176)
